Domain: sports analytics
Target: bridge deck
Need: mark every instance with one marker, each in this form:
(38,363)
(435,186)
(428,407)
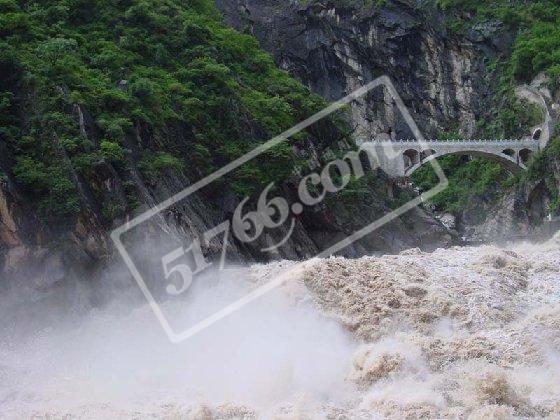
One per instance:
(528,143)
(402,157)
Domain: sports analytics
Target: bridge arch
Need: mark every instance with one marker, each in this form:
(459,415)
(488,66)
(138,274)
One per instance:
(411,157)
(426,153)
(509,162)
(401,158)
(509,152)
(537,134)
(525,155)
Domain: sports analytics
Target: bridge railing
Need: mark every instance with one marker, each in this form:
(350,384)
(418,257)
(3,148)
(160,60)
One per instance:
(460,142)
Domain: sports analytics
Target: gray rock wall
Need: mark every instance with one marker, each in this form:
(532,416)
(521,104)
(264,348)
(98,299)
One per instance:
(335,49)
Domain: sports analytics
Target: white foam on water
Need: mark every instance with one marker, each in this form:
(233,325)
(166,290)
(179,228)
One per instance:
(461,332)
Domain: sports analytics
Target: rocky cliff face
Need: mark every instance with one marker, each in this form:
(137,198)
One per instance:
(511,217)
(36,257)
(333,49)
(528,207)
(40,256)
(336,48)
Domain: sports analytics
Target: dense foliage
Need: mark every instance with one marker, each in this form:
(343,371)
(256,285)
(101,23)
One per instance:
(163,86)
(545,167)
(154,84)
(537,47)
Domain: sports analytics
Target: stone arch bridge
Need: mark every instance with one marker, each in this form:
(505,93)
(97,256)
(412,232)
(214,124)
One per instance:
(401,158)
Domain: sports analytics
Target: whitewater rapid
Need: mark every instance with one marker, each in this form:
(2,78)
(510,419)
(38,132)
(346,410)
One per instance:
(458,333)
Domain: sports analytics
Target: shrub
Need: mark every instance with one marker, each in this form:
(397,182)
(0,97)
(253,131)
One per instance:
(30,173)
(112,152)
(151,164)
(165,160)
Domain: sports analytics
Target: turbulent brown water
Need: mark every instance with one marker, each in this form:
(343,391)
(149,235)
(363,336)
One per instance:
(458,333)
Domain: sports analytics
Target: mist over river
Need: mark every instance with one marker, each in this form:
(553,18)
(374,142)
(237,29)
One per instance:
(465,332)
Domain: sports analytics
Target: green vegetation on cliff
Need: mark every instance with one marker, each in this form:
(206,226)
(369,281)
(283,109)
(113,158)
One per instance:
(537,24)
(546,167)
(158,85)
(536,49)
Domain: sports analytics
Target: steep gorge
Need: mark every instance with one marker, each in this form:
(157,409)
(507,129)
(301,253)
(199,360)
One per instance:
(108,113)
(94,131)
(334,47)
(457,82)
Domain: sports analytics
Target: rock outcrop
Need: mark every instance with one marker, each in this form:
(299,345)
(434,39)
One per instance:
(335,47)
